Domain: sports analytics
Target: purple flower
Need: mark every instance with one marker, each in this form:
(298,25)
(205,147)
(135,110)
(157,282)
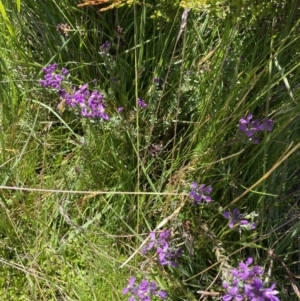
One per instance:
(164,235)
(249,127)
(120,109)
(245,273)
(256,291)
(200,192)
(64,71)
(141,103)
(235,218)
(162,294)
(106,45)
(248,285)
(153,288)
(268,124)
(252,127)
(52,79)
(129,286)
(91,105)
(104,48)
(233,294)
(143,291)
(166,254)
(50,68)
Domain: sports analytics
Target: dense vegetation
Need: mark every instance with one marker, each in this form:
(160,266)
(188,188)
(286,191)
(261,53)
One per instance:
(149,150)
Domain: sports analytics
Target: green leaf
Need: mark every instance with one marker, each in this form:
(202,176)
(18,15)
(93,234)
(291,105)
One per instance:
(18,5)
(6,20)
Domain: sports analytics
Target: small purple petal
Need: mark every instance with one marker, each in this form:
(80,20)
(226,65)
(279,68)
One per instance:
(207,199)
(132,281)
(141,103)
(194,185)
(227,298)
(243,121)
(64,71)
(162,294)
(252,226)
(244,222)
(226,214)
(249,261)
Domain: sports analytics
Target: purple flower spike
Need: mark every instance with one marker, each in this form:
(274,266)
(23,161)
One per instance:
(166,254)
(246,284)
(106,45)
(143,291)
(141,103)
(91,105)
(256,291)
(200,192)
(104,48)
(52,79)
(252,127)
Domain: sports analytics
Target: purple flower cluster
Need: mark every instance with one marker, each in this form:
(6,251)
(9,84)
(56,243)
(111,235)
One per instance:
(52,79)
(246,284)
(166,254)
(141,103)
(105,48)
(200,192)
(252,127)
(143,291)
(237,219)
(90,104)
